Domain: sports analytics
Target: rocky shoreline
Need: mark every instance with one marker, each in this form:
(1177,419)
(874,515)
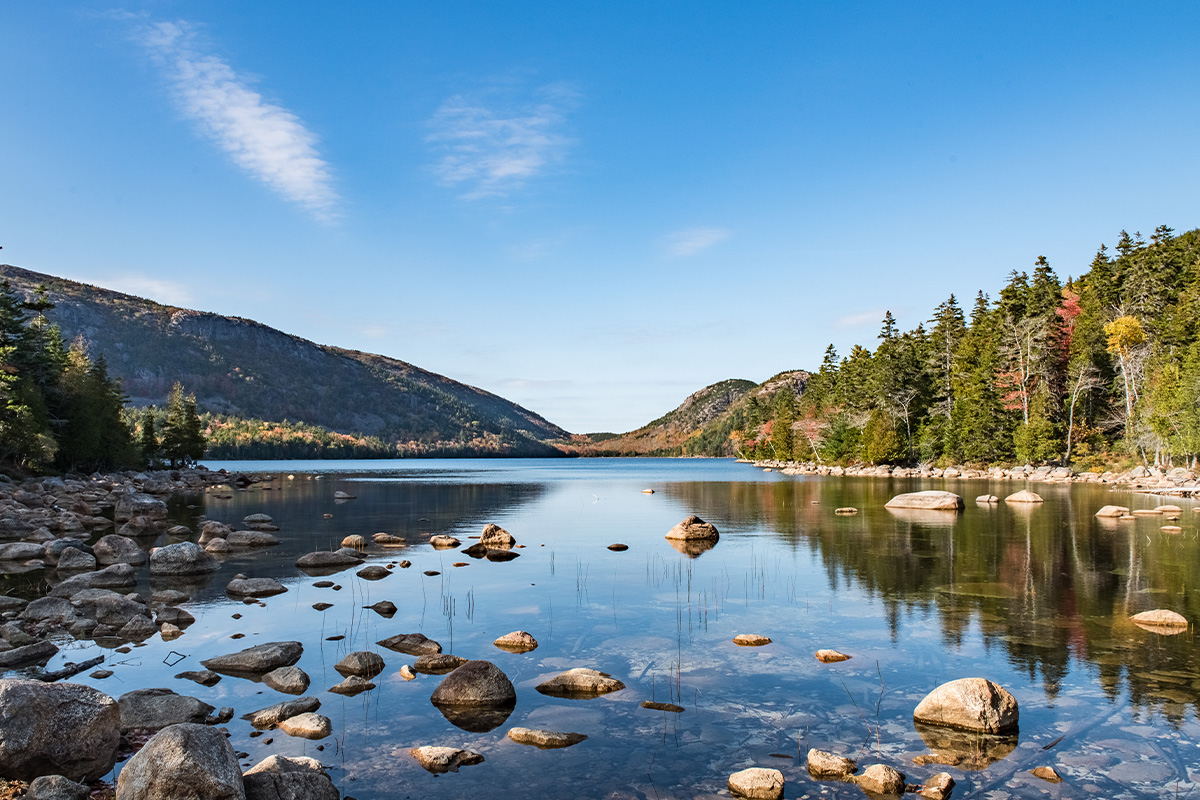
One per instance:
(1177,481)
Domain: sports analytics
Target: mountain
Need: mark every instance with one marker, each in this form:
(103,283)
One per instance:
(700,425)
(243,368)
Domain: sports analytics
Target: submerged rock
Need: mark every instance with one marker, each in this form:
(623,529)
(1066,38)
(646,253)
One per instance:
(544,740)
(757,783)
(969,750)
(694,528)
(823,764)
(751,640)
(972,704)
(413,644)
(1161,620)
(1047,774)
(580,682)
(258,659)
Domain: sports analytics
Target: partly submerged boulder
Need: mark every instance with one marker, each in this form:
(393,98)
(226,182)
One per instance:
(580,682)
(928,500)
(258,659)
(694,528)
(475,683)
(972,704)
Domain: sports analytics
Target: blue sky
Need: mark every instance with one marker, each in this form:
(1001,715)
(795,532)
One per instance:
(591,209)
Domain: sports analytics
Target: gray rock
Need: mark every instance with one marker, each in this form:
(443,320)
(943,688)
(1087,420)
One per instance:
(182,558)
(116,549)
(475,683)
(153,709)
(217,547)
(413,644)
(55,549)
(174,615)
(289,680)
(258,519)
(352,685)
(363,663)
(252,539)
(170,597)
(307,726)
(283,778)
(440,760)
(74,559)
(580,682)
(384,608)
(258,659)
(972,704)
(136,504)
(694,528)
(273,715)
(56,787)
(112,577)
(27,655)
(108,607)
(932,500)
(255,587)
(438,663)
(50,609)
(56,729)
(203,677)
(21,551)
(324,559)
(373,573)
(140,526)
(193,756)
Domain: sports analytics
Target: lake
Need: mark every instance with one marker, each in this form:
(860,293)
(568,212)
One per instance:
(1036,599)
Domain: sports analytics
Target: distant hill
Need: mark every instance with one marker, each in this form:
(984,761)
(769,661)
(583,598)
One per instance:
(701,425)
(243,368)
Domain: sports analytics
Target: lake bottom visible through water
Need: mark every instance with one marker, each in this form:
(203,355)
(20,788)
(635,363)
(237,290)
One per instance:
(1036,599)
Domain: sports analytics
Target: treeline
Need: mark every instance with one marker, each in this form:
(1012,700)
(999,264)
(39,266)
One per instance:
(232,437)
(59,409)
(1089,371)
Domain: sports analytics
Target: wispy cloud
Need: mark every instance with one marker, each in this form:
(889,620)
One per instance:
(855,320)
(491,143)
(161,291)
(264,139)
(694,240)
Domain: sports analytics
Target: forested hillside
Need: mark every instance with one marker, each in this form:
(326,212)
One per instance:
(1093,369)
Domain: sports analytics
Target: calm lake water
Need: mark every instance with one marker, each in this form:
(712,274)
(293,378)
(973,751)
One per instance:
(1035,599)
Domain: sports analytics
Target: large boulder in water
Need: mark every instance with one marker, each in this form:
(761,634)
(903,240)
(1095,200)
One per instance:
(475,683)
(153,709)
(183,558)
(194,756)
(694,528)
(580,682)
(117,549)
(970,704)
(283,778)
(930,500)
(57,729)
(495,536)
(258,659)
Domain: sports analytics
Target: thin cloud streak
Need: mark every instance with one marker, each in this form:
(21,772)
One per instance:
(856,320)
(694,240)
(264,139)
(491,146)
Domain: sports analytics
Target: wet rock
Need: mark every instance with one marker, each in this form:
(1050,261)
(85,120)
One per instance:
(174,615)
(617,547)
(272,715)
(116,549)
(442,542)
(438,663)
(322,606)
(195,756)
(218,547)
(373,573)
(55,549)
(830,656)
(251,539)
(324,559)
(352,685)
(1047,774)
(440,760)
(580,682)
(930,500)
(881,779)
(355,541)
(241,586)
(137,504)
(938,787)
(289,680)
(653,706)
(413,644)
(407,673)
(307,726)
(113,576)
(153,709)
(823,764)
(258,519)
(495,536)
(1023,496)
(501,555)
(475,683)
(283,778)
(258,659)
(388,539)
(182,558)
(1112,511)
(73,559)
(56,787)
(544,740)
(694,528)
(757,783)
(203,677)
(972,704)
(21,551)
(384,608)
(517,642)
(363,663)
(101,674)
(751,640)
(56,729)
(1161,620)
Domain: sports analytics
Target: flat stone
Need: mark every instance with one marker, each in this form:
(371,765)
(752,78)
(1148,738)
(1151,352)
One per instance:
(544,740)
(617,547)
(845,511)
(1161,620)
(830,656)
(352,685)
(653,706)
(823,764)
(757,783)
(258,659)
(751,640)
(307,726)
(580,682)
(517,642)
(413,644)
(438,663)
(440,760)
(273,715)
(931,500)
(255,587)
(153,709)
